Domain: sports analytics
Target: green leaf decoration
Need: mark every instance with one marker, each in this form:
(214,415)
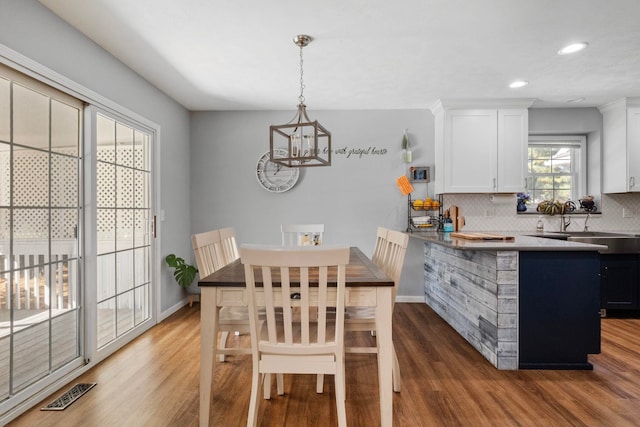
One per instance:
(183,273)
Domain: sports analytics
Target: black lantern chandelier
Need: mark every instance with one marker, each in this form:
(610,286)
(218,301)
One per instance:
(307,143)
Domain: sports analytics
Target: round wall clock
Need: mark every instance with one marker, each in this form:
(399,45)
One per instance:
(276,177)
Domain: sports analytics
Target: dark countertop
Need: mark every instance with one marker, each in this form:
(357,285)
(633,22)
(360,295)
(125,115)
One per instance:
(520,243)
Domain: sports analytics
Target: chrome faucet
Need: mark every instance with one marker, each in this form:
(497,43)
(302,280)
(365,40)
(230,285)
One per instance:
(586,227)
(564,223)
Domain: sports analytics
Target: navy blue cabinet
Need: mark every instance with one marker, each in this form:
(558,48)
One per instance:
(559,309)
(619,282)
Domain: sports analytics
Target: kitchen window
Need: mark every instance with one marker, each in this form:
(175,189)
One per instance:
(557,167)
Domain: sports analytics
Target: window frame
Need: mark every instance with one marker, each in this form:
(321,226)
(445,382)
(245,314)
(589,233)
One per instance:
(578,166)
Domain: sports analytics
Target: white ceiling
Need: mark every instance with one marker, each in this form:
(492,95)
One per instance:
(368,54)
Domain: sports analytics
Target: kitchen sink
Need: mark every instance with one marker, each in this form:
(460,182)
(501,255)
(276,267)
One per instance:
(617,243)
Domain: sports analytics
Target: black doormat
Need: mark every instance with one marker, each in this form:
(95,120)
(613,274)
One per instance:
(61,403)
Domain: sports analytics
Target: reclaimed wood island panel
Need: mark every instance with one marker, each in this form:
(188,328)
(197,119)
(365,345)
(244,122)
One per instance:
(517,302)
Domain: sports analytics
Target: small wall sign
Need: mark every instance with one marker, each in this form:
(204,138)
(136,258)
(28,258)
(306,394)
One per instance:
(419,174)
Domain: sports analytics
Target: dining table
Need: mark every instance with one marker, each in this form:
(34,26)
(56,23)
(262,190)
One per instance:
(366,286)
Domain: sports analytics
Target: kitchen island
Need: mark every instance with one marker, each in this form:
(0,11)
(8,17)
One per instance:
(524,303)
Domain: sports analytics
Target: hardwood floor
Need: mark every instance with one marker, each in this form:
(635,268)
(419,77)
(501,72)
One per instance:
(154,382)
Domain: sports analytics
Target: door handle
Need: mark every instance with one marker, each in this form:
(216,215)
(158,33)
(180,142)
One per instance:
(154,227)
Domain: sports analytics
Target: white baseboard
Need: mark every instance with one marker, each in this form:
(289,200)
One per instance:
(168,312)
(410,298)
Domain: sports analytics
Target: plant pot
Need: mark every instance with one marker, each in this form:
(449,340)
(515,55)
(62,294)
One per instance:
(521,206)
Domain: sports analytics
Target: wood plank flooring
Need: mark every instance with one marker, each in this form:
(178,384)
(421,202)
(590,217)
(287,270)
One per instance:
(153,381)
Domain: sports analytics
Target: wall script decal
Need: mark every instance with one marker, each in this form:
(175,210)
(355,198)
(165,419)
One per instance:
(356,152)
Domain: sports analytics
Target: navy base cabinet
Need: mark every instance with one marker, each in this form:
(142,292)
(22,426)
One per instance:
(559,309)
(620,282)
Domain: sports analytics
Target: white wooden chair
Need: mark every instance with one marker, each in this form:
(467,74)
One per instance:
(389,253)
(302,234)
(229,245)
(209,249)
(380,247)
(288,345)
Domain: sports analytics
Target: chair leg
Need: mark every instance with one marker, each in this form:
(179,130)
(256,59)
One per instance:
(190,300)
(280,383)
(266,385)
(397,380)
(341,394)
(252,417)
(320,383)
(223,344)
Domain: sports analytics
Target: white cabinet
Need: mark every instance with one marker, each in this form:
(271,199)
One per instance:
(481,150)
(470,151)
(621,146)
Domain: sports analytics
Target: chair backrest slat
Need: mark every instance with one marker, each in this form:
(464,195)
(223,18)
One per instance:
(229,245)
(214,249)
(206,247)
(397,243)
(380,250)
(304,272)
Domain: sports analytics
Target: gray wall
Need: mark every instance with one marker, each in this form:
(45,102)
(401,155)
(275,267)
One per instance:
(211,183)
(33,31)
(352,197)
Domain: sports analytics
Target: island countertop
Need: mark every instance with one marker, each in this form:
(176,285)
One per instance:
(519,243)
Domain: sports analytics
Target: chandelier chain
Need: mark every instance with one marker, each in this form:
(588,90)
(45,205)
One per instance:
(301,97)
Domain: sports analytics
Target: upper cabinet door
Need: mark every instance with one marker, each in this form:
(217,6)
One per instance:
(481,145)
(633,147)
(513,141)
(470,147)
(621,146)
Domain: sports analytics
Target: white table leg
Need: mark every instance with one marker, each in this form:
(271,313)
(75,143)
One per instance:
(208,334)
(384,310)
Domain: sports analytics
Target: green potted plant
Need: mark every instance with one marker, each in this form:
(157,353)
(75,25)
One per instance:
(183,273)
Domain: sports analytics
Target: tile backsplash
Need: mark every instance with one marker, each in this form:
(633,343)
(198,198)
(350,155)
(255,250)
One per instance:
(497,212)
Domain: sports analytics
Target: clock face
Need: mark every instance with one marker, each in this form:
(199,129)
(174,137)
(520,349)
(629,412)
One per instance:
(276,177)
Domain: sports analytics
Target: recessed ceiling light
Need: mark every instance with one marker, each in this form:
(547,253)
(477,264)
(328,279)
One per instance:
(573,48)
(518,83)
(575,100)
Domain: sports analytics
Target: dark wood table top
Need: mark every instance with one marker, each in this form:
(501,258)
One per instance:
(360,272)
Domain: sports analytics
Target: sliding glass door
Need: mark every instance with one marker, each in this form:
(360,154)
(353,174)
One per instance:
(123,228)
(40,223)
(76,244)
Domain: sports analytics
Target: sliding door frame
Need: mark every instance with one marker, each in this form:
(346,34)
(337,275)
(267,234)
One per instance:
(35,393)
